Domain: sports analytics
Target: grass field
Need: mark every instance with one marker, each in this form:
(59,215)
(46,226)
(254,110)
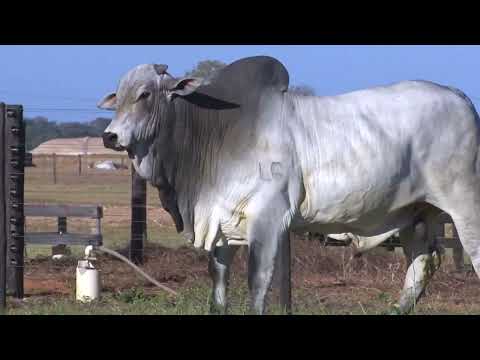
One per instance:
(195,301)
(325,280)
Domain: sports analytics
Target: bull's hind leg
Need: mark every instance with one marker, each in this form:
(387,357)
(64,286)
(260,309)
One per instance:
(423,259)
(464,208)
(468,228)
(219,268)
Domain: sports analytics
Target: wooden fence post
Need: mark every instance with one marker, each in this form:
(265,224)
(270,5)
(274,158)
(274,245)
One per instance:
(58,251)
(139,217)
(458,256)
(62,225)
(54,168)
(282,274)
(79,164)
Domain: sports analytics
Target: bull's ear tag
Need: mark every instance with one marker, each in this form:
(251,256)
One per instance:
(184,86)
(109,102)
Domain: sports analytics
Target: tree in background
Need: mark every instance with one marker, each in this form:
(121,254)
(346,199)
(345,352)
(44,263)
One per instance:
(100,124)
(205,68)
(302,90)
(40,129)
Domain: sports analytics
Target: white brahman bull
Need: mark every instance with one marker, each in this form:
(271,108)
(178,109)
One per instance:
(238,159)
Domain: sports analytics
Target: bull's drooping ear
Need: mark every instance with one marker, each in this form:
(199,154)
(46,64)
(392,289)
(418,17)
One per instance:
(184,86)
(109,102)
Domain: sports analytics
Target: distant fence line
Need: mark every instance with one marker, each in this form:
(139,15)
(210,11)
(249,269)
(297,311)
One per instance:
(84,162)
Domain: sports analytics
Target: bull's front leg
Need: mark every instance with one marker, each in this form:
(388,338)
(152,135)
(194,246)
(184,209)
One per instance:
(219,268)
(261,265)
(268,227)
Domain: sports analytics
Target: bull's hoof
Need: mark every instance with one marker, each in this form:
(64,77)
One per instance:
(217,309)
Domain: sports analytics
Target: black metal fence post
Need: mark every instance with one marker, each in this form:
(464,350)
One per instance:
(3,217)
(15,160)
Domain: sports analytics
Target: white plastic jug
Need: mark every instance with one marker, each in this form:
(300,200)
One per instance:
(88,281)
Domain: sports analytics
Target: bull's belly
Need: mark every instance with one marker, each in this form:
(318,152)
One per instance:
(367,211)
(370,224)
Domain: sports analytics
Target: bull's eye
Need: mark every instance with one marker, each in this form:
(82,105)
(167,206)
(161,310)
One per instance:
(143,95)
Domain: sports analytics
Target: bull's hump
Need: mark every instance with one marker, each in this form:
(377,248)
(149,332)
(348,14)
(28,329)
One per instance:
(263,70)
(248,76)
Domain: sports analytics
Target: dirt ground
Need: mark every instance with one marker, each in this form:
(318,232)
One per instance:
(326,277)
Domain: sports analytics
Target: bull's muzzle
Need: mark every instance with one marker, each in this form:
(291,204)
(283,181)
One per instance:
(110,141)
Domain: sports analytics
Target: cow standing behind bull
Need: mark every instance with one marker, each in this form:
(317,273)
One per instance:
(239,160)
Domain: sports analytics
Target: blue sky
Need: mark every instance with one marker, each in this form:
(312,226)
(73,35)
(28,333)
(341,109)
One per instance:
(63,83)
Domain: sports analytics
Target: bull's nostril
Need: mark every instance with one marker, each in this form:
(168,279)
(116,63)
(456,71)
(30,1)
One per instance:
(113,138)
(110,139)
